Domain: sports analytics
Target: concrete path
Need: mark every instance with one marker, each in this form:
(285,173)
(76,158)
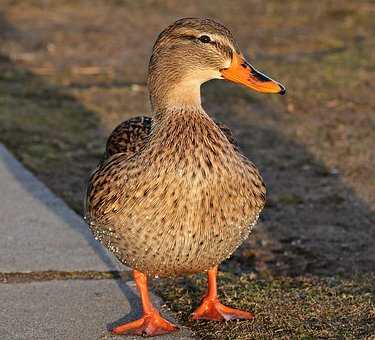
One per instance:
(39,231)
(40,234)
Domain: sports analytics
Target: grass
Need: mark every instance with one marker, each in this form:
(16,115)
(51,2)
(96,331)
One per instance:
(285,308)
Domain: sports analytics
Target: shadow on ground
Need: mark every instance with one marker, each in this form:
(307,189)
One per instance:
(313,223)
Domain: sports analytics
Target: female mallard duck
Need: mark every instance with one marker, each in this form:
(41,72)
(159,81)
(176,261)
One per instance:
(175,196)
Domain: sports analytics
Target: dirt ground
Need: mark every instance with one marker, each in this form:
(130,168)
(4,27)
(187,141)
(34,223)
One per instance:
(71,70)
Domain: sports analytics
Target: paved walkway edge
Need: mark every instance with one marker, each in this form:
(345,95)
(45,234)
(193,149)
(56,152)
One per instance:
(41,234)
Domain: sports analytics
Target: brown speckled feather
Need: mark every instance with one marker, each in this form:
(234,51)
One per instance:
(129,136)
(184,201)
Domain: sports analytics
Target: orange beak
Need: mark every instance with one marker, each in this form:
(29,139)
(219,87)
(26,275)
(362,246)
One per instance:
(241,72)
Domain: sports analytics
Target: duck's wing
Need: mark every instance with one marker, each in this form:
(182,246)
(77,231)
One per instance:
(126,139)
(129,137)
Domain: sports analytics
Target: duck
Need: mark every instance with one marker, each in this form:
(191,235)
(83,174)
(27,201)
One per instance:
(174,195)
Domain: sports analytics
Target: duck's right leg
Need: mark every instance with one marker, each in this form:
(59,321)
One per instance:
(212,309)
(151,323)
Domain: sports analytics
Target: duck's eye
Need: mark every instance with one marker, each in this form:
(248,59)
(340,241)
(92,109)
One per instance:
(205,39)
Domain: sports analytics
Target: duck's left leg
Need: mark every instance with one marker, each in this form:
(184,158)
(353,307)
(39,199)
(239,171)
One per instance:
(212,309)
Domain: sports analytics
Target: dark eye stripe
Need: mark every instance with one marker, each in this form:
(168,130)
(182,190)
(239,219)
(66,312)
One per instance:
(189,37)
(225,49)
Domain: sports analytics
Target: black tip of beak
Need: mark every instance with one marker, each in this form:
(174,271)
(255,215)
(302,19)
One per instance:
(282,90)
(262,77)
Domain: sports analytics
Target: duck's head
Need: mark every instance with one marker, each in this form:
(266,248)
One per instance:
(192,51)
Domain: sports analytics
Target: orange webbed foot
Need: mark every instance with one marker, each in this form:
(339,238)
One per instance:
(149,324)
(212,309)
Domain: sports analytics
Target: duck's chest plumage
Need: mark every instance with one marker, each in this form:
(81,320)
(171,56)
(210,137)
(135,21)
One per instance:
(182,205)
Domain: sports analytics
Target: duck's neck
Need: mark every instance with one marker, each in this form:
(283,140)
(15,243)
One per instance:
(178,111)
(176,93)
(175,97)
